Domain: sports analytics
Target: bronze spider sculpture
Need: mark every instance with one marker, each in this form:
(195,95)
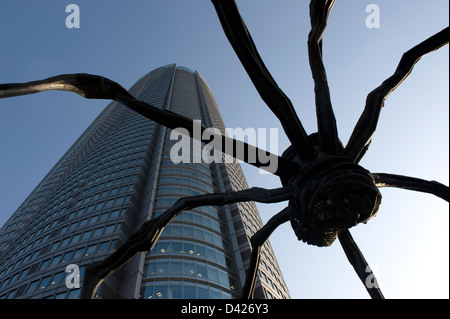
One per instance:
(328,192)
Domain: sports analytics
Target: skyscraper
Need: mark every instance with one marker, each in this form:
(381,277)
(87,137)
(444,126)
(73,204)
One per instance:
(116,176)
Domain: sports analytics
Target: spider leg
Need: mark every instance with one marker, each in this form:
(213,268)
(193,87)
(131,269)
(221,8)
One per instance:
(257,240)
(148,234)
(98,87)
(242,43)
(326,121)
(367,123)
(359,263)
(412,183)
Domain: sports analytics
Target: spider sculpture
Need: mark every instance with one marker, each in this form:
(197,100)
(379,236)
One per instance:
(328,192)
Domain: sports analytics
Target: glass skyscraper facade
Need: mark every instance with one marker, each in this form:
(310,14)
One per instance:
(115,177)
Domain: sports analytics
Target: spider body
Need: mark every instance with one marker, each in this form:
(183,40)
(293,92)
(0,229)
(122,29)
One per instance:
(331,193)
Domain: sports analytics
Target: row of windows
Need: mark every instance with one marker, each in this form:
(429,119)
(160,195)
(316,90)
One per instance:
(56,199)
(187,216)
(49,281)
(204,185)
(193,232)
(32,204)
(116,181)
(98,205)
(199,181)
(102,205)
(58,202)
(113,191)
(115,214)
(150,87)
(188,169)
(78,173)
(249,224)
(251,215)
(180,191)
(190,248)
(72,240)
(71,294)
(182,290)
(90,209)
(119,144)
(97,232)
(271,284)
(61,199)
(266,255)
(165,202)
(236,175)
(83,223)
(185,99)
(188,268)
(137,139)
(199,219)
(178,142)
(116,161)
(59,260)
(99,176)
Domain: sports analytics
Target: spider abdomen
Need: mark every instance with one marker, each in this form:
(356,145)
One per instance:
(337,200)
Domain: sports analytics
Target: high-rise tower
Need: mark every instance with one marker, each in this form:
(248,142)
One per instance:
(116,176)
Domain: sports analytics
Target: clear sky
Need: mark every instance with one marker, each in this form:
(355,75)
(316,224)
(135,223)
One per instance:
(407,243)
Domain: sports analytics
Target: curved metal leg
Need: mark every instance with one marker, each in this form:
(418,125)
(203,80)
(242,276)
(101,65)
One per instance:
(360,264)
(367,123)
(326,121)
(242,43)
(98,87)
(146,237)
(258,239)
(412,183)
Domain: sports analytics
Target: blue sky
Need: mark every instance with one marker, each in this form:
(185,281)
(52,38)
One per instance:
(406,244)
